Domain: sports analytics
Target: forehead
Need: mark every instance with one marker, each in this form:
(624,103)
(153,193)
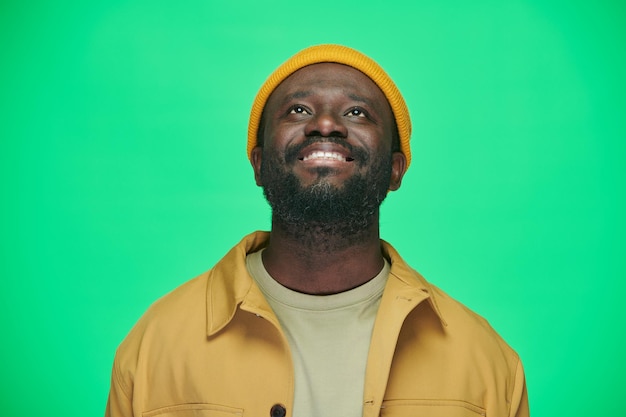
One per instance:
(339,77)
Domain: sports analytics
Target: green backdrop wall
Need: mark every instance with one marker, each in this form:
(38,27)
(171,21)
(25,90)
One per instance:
(123,173)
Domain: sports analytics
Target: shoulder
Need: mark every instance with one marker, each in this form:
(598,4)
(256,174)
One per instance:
(463,356)
(184,313)
(226,280)
(164,319)
(185,301)
(449,324)
(465,324)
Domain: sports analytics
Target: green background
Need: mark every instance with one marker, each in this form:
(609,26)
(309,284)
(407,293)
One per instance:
(123,173)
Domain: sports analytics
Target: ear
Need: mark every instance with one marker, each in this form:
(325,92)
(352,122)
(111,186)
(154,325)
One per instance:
(398,168)
(256,157)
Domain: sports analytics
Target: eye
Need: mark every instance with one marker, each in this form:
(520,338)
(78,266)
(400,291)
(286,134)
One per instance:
(356,112)
(298,110)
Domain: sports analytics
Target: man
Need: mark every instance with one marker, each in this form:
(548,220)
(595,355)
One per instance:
(319,317)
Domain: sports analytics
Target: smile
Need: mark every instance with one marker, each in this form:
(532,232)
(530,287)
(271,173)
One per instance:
(328,156)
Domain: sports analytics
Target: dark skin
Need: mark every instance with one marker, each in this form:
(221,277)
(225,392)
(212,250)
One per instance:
(326,100)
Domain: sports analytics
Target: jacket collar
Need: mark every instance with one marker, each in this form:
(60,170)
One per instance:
(229,284)
(412,279)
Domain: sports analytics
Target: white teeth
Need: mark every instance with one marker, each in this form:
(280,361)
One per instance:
(325,155)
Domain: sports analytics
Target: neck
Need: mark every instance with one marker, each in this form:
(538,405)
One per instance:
(319,259)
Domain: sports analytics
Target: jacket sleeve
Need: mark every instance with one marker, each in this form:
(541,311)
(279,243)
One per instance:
(519,399)
(119,403)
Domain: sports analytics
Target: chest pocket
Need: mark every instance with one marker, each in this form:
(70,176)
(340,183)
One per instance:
(430,408)
(195,410)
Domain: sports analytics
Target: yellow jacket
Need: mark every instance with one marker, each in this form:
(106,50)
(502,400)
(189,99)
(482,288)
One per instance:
(214,348)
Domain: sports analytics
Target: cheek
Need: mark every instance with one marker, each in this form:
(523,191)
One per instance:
(375,140)
(278,136)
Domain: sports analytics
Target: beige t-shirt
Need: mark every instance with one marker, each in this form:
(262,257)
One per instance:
(329,337)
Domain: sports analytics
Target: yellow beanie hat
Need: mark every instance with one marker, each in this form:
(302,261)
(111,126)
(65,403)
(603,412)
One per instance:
(340,55)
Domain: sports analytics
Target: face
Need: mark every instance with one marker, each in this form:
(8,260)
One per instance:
(327,132)
(327,121)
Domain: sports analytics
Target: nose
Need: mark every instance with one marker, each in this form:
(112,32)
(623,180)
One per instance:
(326,124)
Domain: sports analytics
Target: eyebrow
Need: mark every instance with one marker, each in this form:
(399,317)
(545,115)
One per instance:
(296,95)
(306,93)
(361,99)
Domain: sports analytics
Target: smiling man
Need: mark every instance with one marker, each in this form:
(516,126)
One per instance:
(318,317)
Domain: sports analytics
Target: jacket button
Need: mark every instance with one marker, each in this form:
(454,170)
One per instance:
(278,410)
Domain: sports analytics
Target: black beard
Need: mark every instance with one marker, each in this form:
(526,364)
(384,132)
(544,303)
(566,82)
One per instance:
(323,215)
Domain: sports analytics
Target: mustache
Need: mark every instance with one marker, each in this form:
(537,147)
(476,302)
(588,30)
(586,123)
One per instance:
(359,154)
